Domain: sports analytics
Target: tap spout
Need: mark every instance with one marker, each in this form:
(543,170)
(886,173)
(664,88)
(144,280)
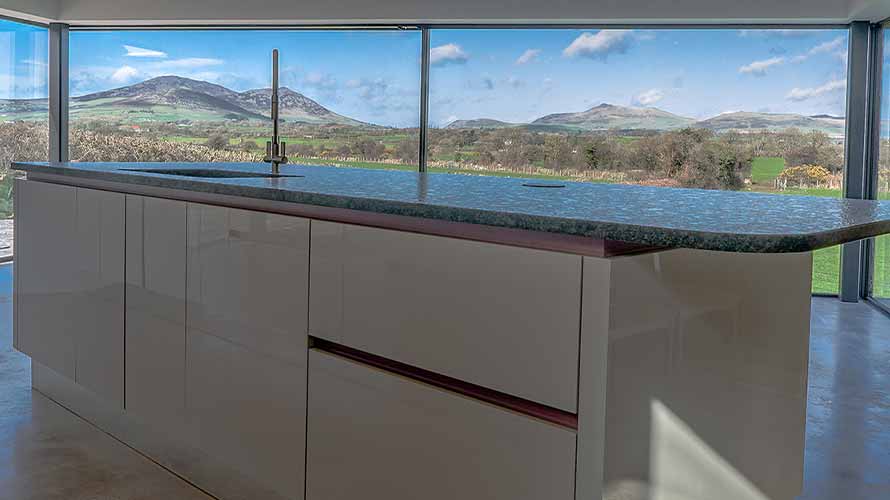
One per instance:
(276,150)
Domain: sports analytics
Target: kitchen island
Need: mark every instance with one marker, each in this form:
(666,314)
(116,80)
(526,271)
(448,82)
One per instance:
(339,333)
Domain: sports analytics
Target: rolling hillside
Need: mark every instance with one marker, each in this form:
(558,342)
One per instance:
(480,123)
(173,98)
(610,116)
(745,121)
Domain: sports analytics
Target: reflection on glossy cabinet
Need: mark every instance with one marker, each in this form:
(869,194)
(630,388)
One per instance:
(377,436)
(501,317)
(98,261)
(246,347)
(70,292)
(45,290)
(155,320)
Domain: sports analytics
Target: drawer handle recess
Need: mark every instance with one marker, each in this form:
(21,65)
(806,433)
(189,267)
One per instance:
(444,382)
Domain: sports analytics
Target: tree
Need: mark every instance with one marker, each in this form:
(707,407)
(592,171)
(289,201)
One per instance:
(217,141)
(408,151)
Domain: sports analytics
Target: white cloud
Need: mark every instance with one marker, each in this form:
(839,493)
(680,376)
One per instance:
(322,81)
(759,67)
(802,94)
(124,74)
(600,45)
(827,47)
(528,56)
(35,62)
(450,53)
(141,52)
(649,97)
(835,47)
(774,33)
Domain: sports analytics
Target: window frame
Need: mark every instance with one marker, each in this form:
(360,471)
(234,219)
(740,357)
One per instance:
(867,169)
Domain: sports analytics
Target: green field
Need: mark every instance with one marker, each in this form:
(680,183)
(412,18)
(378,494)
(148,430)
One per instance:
(765,170)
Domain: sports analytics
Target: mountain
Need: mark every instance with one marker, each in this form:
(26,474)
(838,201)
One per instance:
(609,116)
(23,109)
(747,121)
(172,98)
(479,123)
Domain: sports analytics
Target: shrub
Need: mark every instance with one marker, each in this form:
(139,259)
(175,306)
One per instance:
(803,176)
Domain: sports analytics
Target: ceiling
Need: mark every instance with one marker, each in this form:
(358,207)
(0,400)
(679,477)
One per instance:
(97,12)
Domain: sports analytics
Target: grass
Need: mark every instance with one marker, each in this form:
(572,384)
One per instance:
(881,283)
(764,170)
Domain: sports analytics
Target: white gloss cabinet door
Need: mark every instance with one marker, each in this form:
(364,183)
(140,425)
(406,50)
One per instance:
(246,341)
(46,292)
(376,436)
(155,320)
(502,317)
(97,258)
(69,283)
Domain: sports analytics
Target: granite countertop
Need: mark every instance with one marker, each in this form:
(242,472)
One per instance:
(664,217)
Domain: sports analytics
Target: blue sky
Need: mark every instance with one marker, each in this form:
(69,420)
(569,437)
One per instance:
(522,75)
(23,61)
(511,75)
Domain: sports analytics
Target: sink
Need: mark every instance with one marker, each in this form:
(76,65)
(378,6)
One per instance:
(207,173)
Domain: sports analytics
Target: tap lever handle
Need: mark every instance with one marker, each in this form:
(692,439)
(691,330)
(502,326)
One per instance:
(283,149)
(268,148)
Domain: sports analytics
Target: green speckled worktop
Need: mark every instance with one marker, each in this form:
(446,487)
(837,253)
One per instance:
(664,217)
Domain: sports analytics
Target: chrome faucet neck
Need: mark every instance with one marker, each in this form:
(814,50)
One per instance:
(276,150)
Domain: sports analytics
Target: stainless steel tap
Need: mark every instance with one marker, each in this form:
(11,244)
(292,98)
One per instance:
(276,151)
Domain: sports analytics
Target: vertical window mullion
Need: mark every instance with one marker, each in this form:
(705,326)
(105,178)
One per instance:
(58,92)
(424,97)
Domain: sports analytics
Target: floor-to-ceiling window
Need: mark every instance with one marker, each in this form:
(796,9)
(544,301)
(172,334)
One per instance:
(881,263)
(754,110)
(348,97)
(24,131)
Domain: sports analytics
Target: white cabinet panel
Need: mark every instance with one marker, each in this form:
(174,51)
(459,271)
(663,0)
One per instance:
(246,341)
(248,278)
(376,436)
(497,316)
(69,273)
(97,258)
(46,290)
(155,347)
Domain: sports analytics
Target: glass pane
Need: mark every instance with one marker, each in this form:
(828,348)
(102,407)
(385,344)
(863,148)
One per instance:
(24,118)
(881,276)
(753,110)
(348,98)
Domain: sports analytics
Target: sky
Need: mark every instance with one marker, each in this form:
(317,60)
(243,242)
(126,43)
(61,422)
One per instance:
(518,76)
(510,75)
(24,52)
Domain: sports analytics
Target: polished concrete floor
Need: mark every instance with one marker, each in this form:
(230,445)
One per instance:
(47,453)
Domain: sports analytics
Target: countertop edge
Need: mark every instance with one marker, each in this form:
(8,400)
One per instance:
(644,236)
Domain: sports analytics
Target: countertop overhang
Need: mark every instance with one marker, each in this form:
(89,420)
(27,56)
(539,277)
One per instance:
(639,215)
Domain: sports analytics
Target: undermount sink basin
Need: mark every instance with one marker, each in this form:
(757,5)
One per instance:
(207,172)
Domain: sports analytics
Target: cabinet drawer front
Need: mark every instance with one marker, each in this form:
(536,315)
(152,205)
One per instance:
(500,317)
(248,278)
(377,436)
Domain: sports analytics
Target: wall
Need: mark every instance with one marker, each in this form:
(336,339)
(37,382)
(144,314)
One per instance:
(408,11)
(32,10)
(458,11)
